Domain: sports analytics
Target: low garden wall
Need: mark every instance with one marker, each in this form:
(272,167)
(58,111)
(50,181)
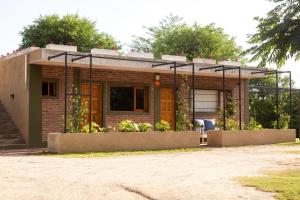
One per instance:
(229,138)
(121,141)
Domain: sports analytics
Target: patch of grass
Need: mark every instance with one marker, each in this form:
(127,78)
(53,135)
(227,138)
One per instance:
(294,152)
(297,142)
(122,153)
(285,184)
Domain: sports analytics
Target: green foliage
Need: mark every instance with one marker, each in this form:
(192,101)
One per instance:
(231,124)
(230,106)
(183,119)
(162,126)
(95,128)
(262,103)
(128,126)
(283,122)
(144,127)
(230,121)
(77,118)
(277,37)
(172,36)
(69,30)
(284,183)
(253,125)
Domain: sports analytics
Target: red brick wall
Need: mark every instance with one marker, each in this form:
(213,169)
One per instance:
(211,83)
(53,109)
(112,119)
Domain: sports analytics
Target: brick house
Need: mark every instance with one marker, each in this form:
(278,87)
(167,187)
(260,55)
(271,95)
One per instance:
(123,87)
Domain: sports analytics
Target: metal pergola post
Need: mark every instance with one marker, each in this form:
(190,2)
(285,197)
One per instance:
(90,56)
(224,100)
(240,99)
(290,76)
(217,68)
(175,96)
(65,86)
(277,101)
(65,97)
(90,83)
(240,93)
(193,85)
(276,72)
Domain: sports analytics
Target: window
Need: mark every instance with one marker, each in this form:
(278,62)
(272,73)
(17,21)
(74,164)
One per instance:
(49,88)
(206,100)
(128,99)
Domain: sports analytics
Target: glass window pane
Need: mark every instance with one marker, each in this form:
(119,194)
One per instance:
(140,99)
(45,89)
(121,99)
(51,89)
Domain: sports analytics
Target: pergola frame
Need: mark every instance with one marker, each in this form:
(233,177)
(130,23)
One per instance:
(90,56)
(174,65)
(254,71)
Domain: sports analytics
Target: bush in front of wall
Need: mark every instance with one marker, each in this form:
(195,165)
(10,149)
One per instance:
(95,128)
(162,126)
(144,127)
(253,125)
(128,126)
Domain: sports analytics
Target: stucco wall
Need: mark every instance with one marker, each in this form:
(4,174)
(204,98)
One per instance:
(14,81)
(76,142)
(220,138)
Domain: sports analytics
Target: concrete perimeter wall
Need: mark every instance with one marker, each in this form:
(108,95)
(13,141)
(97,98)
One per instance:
(14,91)
(116,141)
(250,137)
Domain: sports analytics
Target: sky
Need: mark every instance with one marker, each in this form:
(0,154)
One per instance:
(124,19)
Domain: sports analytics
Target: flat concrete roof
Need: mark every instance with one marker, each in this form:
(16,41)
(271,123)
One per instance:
(39,56)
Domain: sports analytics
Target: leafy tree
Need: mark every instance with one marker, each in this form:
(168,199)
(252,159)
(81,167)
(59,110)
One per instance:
(263,104)
(173,36)
(278,34)
(69,29)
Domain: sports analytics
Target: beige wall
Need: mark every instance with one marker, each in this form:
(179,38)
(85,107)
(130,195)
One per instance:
(13,80)
(78,143)
(250,137)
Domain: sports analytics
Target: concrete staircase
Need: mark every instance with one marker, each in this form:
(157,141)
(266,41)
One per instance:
(10,137)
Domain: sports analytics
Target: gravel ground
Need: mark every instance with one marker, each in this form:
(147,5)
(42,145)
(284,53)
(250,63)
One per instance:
(192,175)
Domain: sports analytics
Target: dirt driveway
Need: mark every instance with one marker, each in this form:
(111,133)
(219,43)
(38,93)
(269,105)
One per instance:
(192,175)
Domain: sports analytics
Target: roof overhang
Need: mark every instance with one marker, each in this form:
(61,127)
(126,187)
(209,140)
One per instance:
(124,63)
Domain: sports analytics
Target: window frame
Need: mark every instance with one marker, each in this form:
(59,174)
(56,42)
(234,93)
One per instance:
(48,81)
(146,110)
(218,100)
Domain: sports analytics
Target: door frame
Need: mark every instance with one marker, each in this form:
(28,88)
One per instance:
(159,101)
(101,92)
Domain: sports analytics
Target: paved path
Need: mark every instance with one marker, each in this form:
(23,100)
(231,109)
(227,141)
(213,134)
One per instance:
(191,175)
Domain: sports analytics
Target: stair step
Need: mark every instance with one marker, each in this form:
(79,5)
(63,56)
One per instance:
(11,141)
(12,146)
(10,136)
(10,130)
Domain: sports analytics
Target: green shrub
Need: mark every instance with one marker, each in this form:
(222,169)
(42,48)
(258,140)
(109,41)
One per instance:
(94,129)
(231,124)
(253,125)
(128,126)
(144,127)
(284,121)
(162,126)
